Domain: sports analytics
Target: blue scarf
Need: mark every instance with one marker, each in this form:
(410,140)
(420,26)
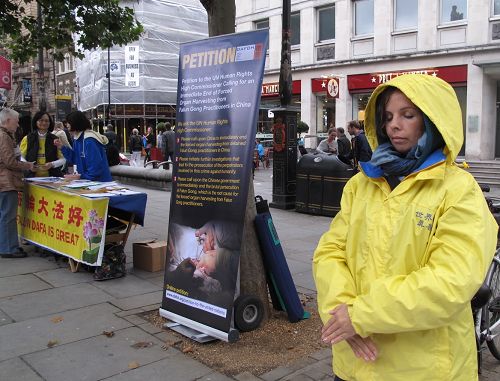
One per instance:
(393,163)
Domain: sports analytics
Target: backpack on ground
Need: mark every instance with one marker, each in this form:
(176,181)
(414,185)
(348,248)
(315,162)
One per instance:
(113,263)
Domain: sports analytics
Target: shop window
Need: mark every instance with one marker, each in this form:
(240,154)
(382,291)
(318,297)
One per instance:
(261,24)
(295,28)
(453,10)
(405,14)
(326,24)
(363,17)
(325,114)
(496,7)
(359,102)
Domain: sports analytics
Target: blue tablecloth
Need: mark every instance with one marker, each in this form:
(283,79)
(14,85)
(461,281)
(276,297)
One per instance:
(131,203)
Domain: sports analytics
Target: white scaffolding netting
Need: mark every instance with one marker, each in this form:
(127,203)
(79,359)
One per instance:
(166,25)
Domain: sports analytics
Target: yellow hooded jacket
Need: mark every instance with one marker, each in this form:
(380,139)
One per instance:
(407,262)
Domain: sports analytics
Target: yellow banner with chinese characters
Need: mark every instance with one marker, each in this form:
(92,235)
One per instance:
(66,223)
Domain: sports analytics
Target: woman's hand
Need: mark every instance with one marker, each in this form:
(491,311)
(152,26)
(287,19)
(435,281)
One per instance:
(340,328)
(46,166)
(363,347)
(58,143)
(74,176)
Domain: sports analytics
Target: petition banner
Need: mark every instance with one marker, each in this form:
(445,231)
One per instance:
(218,97)
(71,225)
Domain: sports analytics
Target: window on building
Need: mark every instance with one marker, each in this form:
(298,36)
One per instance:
(68,62)
(326,23)
(496,7)
(295,28)
(61,67)
(453,10)
(405,14)
(262,24)
(363,17)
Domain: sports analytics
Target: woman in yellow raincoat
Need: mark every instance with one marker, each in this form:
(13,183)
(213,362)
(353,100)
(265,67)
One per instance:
(410,246)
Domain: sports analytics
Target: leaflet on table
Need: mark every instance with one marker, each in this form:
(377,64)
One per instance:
(45,179)
(76,184)
(111,193)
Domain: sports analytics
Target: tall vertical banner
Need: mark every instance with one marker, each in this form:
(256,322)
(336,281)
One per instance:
(218,96)
(5,73)
(132,66)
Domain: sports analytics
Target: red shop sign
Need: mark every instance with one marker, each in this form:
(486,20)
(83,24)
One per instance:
(272,89)
(451,74)
(5,73)
(330,86)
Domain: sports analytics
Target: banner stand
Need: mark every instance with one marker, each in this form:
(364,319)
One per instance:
(197,331)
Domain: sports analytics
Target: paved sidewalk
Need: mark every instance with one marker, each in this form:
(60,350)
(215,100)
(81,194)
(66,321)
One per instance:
(52,320)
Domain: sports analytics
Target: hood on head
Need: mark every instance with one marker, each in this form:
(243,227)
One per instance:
(435,97)
(97,136)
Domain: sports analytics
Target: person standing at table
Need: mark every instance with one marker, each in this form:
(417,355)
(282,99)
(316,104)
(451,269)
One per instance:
(88,153)
(11,174)
(38,146)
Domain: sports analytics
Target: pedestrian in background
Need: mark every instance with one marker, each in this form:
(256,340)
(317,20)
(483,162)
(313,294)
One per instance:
(149,142)
(11,174)
(135,147)
(329,145)
(344,146)
(111,135)
(361,150)
(169,141)
(410,246)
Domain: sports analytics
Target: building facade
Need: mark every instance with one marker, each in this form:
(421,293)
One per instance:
(342,49)
(141,88)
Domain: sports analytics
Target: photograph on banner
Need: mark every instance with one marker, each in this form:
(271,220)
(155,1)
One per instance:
(218,97)
(70,225)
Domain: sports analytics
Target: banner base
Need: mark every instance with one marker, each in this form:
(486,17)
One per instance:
(195,330)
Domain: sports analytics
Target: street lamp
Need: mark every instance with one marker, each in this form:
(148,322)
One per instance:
(108,76)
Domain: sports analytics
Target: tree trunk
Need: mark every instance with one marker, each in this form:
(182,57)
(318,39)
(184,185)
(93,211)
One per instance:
(221,20)
(252,271)
(221,16)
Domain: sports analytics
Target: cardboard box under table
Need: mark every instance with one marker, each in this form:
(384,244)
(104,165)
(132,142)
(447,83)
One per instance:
(149,255)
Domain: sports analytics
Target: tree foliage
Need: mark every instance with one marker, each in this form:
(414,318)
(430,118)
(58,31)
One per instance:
(68,26)
(302,127)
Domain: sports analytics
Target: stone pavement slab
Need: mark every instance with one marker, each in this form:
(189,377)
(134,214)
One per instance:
(64,277)
(99,357)
(177,367)
(21,284)
(138,301)
(4,319)
(28,265)
(40,303)
(17,369)
(129,285)
(34,334)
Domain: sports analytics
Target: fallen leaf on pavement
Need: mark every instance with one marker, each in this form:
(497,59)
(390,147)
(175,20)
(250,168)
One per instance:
(187,349)
(51,343)
(108,333)
(57,319)
(133,365)
(142,344)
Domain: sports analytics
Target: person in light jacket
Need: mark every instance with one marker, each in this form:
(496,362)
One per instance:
(11,174)
(410,246)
